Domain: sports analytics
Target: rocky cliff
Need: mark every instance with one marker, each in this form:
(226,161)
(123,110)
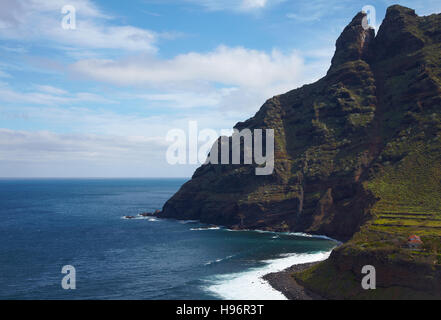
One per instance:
(357,156)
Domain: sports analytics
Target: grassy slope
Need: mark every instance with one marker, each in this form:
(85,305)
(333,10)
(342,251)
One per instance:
(410,202)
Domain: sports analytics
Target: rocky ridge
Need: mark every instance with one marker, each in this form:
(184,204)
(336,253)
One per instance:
(357,157)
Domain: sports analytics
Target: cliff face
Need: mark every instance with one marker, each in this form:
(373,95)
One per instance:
(321,151)
(357,152)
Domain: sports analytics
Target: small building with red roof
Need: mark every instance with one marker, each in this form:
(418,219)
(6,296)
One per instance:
(414,242)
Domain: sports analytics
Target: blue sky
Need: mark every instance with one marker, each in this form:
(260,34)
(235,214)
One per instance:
(99,100)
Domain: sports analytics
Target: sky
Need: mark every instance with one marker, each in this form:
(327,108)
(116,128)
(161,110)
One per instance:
(99,100)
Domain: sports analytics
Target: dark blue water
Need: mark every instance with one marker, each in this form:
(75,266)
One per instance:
(46,224)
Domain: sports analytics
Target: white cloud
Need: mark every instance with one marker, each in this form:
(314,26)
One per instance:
(222,77)
(305,17)
(48,95)
(91,35)
(34,20)
(48,154)
(254,4)
(16,50)
(233,66)
(235,5)
(115,144)
(43,146)
(313,10)
(186,100)
(51,90)
(84,7)
(10,13)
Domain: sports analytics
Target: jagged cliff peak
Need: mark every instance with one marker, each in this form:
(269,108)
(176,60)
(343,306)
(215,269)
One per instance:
(399,33)
(398,10)
(354,42)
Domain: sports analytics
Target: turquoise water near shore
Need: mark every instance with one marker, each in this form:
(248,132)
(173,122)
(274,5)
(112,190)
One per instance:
(49,223)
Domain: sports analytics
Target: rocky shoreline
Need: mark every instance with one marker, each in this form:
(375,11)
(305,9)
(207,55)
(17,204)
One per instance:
(284,282)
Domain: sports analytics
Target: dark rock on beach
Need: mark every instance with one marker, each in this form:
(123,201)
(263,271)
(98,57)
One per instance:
(146,214)
(150,214)
(285,283)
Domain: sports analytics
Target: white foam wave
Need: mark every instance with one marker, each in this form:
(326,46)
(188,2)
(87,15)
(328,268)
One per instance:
(218,260)
(301,234)
(204,229)
(151,219)
(188,221)
(298,234)
(249,285)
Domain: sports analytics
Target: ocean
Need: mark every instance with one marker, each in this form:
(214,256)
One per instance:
(49,223)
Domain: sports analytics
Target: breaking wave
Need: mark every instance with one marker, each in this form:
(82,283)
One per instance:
(249,285)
